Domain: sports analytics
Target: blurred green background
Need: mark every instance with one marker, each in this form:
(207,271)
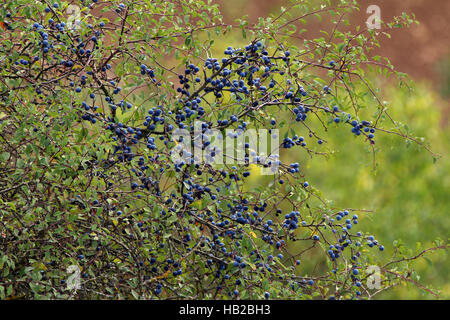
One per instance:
(408,193)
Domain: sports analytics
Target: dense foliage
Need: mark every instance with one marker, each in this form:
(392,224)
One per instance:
(90,114)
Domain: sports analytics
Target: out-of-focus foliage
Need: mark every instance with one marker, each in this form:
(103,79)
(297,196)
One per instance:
(443,69)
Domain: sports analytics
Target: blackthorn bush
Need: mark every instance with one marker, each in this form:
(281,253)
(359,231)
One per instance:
(89,115)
